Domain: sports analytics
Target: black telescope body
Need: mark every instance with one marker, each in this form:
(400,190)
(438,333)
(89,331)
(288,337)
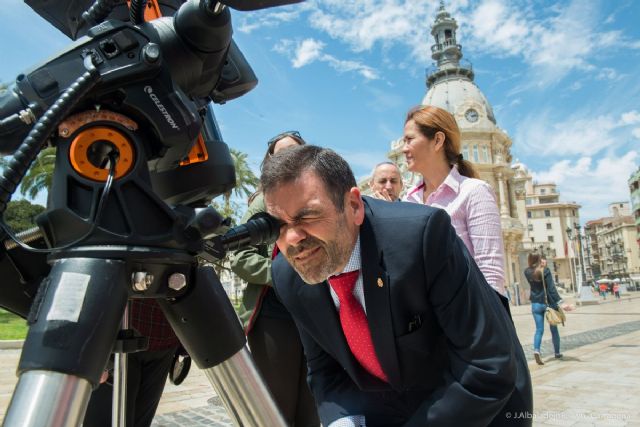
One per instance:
(154,85)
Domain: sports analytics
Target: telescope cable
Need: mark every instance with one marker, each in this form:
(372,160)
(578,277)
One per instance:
(28,151)
(136,11)
(94,222)
(99,10)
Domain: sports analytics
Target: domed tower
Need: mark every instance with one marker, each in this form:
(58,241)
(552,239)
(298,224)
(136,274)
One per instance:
(450,86)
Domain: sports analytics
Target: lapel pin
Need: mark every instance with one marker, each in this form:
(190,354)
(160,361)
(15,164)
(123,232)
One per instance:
(380,282)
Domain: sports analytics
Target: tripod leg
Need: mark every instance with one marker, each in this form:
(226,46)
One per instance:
(120,363)
(209,329)
(73,324)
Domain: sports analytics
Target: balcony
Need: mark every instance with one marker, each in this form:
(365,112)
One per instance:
(447,44)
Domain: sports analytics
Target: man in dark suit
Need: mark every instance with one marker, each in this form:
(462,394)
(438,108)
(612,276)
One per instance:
(398,324)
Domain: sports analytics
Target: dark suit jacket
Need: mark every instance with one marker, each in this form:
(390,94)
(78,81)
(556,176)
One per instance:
(442,336)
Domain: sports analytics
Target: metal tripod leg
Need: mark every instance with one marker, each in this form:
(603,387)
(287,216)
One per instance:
(73,324)
(120,364)
(209,329)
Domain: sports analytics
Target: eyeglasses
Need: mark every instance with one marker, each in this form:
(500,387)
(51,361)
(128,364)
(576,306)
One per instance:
(292,133)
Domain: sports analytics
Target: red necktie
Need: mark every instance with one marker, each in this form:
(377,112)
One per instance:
(275,251)
(354,323)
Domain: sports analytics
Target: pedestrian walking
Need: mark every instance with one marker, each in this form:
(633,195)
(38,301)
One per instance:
(543,294)
(604,288)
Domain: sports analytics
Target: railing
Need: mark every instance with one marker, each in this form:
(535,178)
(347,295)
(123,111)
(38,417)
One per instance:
(445,44)
(463,64)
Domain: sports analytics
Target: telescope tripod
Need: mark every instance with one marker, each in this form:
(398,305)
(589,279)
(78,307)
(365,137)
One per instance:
(133,245)
(80,306)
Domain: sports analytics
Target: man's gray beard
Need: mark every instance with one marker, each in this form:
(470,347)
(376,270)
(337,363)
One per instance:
(336,255)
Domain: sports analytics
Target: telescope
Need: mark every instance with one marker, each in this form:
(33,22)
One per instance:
(139,156)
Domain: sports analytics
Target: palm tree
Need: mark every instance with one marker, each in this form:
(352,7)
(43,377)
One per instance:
(40,173)
(246,180)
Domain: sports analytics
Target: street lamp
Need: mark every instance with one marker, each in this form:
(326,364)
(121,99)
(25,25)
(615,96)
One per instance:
(572,267)
(579,236)
(586,296)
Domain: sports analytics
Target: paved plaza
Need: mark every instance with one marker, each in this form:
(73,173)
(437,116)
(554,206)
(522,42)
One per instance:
(597,383)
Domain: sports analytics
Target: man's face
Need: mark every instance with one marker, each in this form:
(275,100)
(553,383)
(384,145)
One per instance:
(315,237)
(387,182)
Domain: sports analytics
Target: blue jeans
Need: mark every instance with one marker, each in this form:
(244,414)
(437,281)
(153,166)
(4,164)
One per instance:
(538,316)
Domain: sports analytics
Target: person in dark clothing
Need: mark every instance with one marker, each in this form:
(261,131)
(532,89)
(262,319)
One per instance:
(272,335)
(146,370)
(398,323)
(534,273)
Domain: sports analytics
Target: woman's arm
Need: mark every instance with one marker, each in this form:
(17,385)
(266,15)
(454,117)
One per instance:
(552,292)
(252,264)
(485,233)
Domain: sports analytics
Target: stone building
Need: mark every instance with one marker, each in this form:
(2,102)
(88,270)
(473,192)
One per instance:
(546,220)
(612,242)
(634,191)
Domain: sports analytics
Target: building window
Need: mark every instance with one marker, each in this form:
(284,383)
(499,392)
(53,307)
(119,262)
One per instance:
(542,191)
(547,212)
(475,153)
(548,226)
(465,151)
(528,214)
(550,239)
(485,154)
(530,227)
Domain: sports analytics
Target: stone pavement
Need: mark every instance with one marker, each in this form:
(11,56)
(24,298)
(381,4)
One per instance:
(597,383)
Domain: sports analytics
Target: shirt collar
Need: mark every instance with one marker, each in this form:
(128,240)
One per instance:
(454,179)
(354,262)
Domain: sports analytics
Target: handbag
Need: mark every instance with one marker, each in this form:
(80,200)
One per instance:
(554,316)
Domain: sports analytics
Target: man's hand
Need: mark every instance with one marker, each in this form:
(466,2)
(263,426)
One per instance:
(383,195)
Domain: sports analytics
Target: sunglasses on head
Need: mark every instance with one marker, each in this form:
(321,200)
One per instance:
(293,133)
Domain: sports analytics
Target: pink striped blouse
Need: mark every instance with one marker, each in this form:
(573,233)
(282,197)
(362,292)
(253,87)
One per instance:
(472,206)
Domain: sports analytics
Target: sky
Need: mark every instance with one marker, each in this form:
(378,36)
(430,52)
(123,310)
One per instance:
(562,77)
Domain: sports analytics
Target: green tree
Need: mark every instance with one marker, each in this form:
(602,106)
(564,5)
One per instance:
(40,173)
(246,180)
(20,214)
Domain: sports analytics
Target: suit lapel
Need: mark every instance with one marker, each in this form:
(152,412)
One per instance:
(316,301)
(377,300)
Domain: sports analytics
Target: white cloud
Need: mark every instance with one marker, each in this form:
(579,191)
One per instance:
(500,28)
(592,183)
(636,132)
(553,46)
(365,25)
(577,135)
(307,52)
(563,38)
(310,50)
(630,118)
(269,18)
(608,74)
(576,86)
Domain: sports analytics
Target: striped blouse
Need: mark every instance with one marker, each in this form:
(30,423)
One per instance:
(472,206)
